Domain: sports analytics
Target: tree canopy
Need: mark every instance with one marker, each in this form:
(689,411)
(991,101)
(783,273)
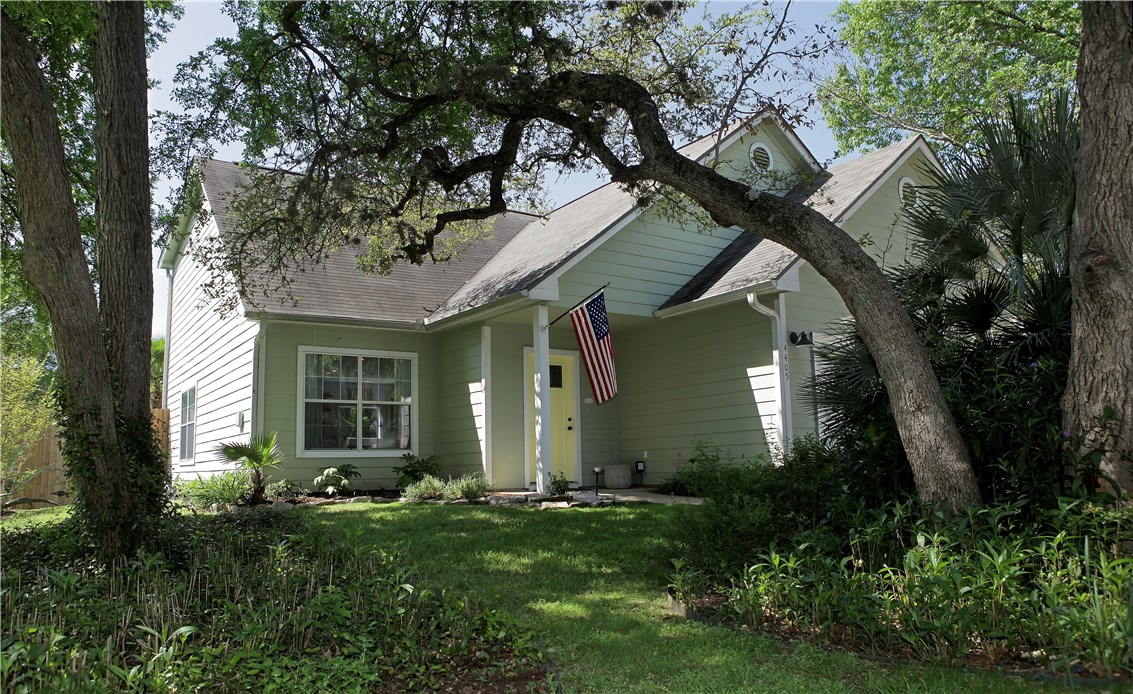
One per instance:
(936,68)
(396,123)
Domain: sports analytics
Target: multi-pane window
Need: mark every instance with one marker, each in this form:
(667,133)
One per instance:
(188,422)
(359,401)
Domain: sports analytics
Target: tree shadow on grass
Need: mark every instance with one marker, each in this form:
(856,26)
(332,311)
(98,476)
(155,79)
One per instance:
(591,583)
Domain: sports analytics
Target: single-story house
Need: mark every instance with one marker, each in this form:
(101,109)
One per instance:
(439,359)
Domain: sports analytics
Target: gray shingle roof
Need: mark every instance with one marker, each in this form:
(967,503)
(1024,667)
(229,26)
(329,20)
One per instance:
(548,243)
(337,290)
(524,249)
(751,260)
(850,181)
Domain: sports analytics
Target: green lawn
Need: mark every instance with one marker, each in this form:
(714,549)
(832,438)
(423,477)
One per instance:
(591,583)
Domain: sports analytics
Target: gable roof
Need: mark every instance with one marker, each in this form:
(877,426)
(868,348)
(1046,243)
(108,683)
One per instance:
(524,250)
(850,182)
(750,260)
(336,290)
(548,244)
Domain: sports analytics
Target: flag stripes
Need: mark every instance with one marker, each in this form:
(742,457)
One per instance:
(592,328)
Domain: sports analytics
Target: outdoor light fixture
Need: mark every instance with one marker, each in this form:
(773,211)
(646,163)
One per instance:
(801,339)
(640,466)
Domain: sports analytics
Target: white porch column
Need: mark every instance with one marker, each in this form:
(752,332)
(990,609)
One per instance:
(541,342)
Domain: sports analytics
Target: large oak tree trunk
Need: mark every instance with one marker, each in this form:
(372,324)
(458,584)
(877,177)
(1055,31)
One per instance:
(104,446)
(937,455)
(1101,246)
(122,217)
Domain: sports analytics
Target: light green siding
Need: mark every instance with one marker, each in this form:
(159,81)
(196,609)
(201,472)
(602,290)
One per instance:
(699,376)
(645,263)
(813,309)
(880,223)
(280,398)
(735,160)
(461,401)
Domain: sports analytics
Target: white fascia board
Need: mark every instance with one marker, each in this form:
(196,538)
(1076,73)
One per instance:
(404,326)
(180,236)
(505,304)
(919,145)
(551,281)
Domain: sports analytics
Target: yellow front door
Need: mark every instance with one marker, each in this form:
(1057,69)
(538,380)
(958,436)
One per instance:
(564,415)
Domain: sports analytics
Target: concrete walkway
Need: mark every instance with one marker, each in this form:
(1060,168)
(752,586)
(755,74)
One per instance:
(633,495)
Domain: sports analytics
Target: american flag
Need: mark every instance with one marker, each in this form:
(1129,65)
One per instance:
(592,328)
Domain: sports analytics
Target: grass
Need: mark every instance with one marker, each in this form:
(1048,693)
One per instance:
(591,583)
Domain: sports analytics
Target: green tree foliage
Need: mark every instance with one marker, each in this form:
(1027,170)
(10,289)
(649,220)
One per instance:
(937,68)
(26,409)
(156,370)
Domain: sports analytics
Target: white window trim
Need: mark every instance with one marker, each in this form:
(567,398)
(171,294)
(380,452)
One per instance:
(767,150)
(300,400)
(181,459)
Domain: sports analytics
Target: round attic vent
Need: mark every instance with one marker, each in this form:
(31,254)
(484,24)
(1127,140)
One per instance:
(907,189)
(760,157)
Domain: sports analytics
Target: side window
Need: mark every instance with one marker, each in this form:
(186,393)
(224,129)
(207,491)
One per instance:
(188,422)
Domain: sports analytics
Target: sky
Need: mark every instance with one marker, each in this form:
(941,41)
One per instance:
(203,22)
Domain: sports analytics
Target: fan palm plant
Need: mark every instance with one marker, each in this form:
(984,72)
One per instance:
(257,455)
(989,292)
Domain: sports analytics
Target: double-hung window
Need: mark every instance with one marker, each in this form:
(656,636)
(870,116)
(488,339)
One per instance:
(188,422)
(356,402)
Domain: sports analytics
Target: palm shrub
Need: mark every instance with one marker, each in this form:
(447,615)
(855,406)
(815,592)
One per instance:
(260,453)
(989,293)
(223,488)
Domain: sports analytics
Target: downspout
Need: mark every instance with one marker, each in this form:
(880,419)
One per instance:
(778,317)
(168,339)
(257,425)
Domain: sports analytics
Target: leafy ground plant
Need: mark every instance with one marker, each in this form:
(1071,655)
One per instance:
(336,480)
(193,614)
(591,584)
(414,469)
(222,488)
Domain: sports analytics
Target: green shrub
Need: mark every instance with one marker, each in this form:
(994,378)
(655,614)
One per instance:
(414,469)
(255,601)
(428,487)
(471,486)
(559,484)
(336,480)
(283,489)
(991,582)
(28,407)
(222,488)
(750,504)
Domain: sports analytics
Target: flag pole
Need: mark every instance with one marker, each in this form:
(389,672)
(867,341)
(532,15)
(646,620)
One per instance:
(588,298)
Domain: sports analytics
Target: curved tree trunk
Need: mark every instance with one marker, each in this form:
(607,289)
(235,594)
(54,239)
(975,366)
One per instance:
(937,455)
(1098,403)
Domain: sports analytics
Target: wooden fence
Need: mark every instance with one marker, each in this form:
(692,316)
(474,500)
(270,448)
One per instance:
(51,484)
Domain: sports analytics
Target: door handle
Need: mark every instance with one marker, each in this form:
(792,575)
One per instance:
(570,428)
